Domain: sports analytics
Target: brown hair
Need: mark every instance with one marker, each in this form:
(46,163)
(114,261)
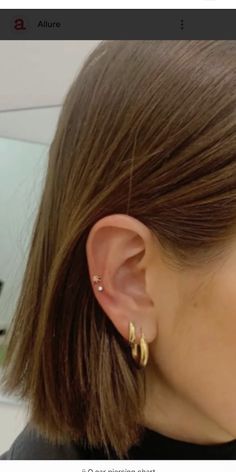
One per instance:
(148,128)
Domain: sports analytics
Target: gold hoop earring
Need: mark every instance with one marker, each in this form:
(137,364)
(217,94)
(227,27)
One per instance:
(144,352)
(140,352)
(134,345)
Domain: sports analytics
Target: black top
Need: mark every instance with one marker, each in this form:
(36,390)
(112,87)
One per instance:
(30,445)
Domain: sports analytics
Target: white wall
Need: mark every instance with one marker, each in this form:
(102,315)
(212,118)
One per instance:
(38,73)
(35,125)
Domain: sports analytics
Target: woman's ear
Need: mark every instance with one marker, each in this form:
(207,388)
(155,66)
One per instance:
(116,248)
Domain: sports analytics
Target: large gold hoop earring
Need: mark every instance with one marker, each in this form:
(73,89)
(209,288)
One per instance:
(140,351)
(144,352)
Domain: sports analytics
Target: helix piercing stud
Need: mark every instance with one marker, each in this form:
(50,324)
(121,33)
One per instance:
(96,279)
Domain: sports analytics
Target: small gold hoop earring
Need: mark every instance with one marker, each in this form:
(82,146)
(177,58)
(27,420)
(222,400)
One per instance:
(131,333)
(134,345)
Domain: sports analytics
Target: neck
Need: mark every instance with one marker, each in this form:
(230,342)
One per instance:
(171,414)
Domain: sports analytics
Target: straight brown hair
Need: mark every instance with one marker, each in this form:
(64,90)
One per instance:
(148,128)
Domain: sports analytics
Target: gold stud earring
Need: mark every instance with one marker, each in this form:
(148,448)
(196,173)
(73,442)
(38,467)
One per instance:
(96,279)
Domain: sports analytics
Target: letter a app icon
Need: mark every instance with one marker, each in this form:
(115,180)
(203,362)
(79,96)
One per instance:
(19,24)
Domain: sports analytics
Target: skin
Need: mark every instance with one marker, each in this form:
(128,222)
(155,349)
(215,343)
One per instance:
(188,318)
